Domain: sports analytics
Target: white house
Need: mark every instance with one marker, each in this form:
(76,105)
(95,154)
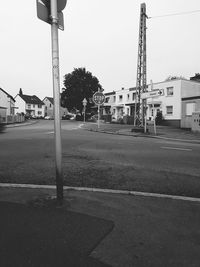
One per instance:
(7,105)
(180,99)
(120,103)
(30,105)
(49,107)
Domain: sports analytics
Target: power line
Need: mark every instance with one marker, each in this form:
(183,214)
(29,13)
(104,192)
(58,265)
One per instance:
(175,14)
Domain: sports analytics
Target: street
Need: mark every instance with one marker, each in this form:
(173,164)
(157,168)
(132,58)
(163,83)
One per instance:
(100,160)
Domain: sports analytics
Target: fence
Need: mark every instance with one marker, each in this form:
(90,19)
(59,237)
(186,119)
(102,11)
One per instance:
(12,119)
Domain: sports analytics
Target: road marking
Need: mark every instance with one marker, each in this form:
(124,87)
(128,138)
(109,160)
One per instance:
(176,148)
(100,190)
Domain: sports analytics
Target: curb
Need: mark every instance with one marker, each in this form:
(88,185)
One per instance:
(100,190)
(143,135)
(20,124)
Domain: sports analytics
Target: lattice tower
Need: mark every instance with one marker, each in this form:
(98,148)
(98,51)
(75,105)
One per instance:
(141,80)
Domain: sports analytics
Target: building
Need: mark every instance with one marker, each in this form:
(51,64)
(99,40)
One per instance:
(120,103)
(49,107)
(30,105)
(7,106)
(180,98)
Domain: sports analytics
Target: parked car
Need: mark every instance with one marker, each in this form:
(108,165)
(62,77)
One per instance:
(48,118)
(69,117)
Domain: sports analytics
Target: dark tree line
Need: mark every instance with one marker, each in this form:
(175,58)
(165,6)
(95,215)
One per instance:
(79,84)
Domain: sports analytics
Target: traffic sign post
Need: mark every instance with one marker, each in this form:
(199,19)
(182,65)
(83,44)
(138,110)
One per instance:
(44,11)
(99,99)
(84,106)
(56,94)
(153,93)
(50,12)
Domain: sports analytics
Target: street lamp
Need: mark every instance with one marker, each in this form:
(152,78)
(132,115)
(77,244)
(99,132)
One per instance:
(84,106)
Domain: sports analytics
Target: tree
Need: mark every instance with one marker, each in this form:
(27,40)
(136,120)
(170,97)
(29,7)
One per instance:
(79,84)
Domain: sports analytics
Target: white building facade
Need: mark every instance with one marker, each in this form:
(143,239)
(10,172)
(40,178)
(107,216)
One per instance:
(49,107)
(31,106)
(7,106)
(180,99)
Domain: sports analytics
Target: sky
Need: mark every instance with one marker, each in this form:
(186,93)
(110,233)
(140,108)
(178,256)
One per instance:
(102,36)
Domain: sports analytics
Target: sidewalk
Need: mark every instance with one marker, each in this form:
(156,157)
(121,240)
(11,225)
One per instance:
(147,231)
(11,125)
(164,132)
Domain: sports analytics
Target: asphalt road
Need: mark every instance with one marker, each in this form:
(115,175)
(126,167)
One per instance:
(99,160)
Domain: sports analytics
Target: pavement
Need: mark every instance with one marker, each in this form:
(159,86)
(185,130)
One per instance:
(162,132)
(100,228)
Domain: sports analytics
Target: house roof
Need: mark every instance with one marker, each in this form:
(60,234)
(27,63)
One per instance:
(31,99)
(7,94)
(50,99)
(110,93)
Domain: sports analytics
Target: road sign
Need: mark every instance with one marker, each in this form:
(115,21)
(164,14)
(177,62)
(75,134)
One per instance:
(43,11)
(98,98)
(84,102)
(153,93)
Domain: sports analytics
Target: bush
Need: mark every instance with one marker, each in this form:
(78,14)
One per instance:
(159,118)
(2,127)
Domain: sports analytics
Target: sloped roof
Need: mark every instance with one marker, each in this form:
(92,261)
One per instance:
(50,99)
(7,94)
(31,99)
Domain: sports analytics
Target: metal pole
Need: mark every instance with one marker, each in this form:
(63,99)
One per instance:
(56,94)
(154,118)
(98,116)
(84,113)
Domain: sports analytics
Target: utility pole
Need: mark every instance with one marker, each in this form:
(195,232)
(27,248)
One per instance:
(141,80)
(56,95)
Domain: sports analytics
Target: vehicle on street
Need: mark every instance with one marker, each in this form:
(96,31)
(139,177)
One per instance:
(48,118)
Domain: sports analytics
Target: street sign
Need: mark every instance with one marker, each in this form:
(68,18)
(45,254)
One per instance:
(153,93)
(84,102)
(43,11)
(98,98)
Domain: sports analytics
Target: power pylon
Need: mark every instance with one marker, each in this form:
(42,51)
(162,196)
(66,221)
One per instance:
(140,104)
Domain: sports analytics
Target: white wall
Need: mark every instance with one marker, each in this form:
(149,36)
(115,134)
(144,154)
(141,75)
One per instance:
(174,100)
(20,105)
(190,89)
(3,99)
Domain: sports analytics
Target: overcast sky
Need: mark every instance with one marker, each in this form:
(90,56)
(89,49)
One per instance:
(100,35)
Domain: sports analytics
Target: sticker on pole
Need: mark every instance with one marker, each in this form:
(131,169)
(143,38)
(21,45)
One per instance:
(98,98)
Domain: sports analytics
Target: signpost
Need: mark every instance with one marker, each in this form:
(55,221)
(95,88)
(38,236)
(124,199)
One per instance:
(44,11)
(50,12)
(84,106)
(99,99)
(152,94)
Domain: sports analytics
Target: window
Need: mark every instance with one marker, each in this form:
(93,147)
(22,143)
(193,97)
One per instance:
(133,96)
(107,99)
(170,91)
(169,110)
(128,96)
(39,112)
(120,97)
(114,98)
(33,106)
(29,106)
(39,106)
(190,108)
(50,105)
